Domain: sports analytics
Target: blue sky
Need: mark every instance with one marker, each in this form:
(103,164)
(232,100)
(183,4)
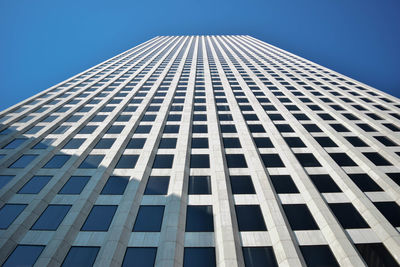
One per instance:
(44,42)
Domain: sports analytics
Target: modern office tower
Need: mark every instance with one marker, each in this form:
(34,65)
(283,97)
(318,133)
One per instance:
(202,151)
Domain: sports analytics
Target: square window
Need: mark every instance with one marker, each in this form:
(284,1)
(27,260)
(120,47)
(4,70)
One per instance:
(74,185)
(136,143)
(74,143)
(299,217)
(228,128)
(284,128)
(236,161)
(139,257)
(167,143)
(365,182)
(319,255)
(157,185)
(272,160)
(376,254)
(348,216)
(142,129)
(199,185)
(284,184)
(342,159)
(56,162)
(199,257)
(377,159)
(199,128)
(294,142)
(9,212)
(312,128)
(87,130)
(115,129)
(51,217)
(149,219)
(24,255)
(256,128)
(81,256)
(23,161)
(242,184)
(390,210)
(199,219)
(115,185)
(307,160)
(231,142)
(35,185)
(355,141)
(105,143)
(163,161)
(339,128)
(324,183)
(91,162)
(250,218)
(199,142)
(171,129)
(199,161)
(99,218)
(325,141)
(127,162)
(259,257)
(263,142)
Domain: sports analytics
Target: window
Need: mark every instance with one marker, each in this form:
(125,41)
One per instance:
(342,159)
(199,257)
(149,219)
(163,161)
(199,142)
(81,257)
(115,185)
(339,128)
(324,183)
(74,143)
(284,128)
(9,212)
(375,254)
(4,179)
(394,176)
(105,143)
(366,127)
(15,143)
(283,184)
(139,257)
(199,161)
(307,160)
(272,160)
(199,185)
(57,162)
(231,142)
(294,142)
(377,159)
(228,128)
(171,129)
(312,128)
(263,142)
(199,128)
(136,143)
(355,141)
(242,185)
(157,185)
(348,216)
(299,217)
(115,129)
(23,161)
(142,129)
(167,143)
(24,255)
(99,218)
(364,182)
(259,257)
(74,185)
(236,161)
(91,162)
(316,256)
(88,129)
(127,162)
(325,141)
(250,218)
(51,217)
(256,128)
(35,185)
(390,210)
(199,219)
(98,118)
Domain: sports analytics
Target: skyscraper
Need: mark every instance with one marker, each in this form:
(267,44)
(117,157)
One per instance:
(202,151)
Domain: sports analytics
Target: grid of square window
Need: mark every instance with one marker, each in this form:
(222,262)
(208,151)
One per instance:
(190,149)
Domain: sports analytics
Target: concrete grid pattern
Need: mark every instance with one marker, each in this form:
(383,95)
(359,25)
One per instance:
(222,149)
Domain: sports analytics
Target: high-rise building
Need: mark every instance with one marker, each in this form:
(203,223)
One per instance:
(202,151)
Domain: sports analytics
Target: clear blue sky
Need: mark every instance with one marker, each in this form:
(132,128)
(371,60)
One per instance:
(44,42)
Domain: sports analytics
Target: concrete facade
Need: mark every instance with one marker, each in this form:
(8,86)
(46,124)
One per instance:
(320,151)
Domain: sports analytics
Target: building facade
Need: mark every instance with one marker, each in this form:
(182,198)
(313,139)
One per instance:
(202,151)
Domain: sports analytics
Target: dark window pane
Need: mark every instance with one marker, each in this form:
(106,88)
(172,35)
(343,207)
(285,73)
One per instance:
(157,185)
(74,143)
(87,130)
(199,185)
(250,218)
(139,257)
(99,218)
(24,255)
(105,143)
(127,162)
(115,185)
(228,128)
(149,219)
(299,217)
(339,128)
(167,143)
(355,141)
(136,143)
(74,185)
(115,129)
(91,162)
(325,141)
(307,160)
(390,210)
(242,185)
(199,257)
(57,162)
(236,161)
(284,184)
(348,216)
(318,256)
(199,219)
(377,159)
(199,142)
(342,159)
(199,161)
(294,142)
(284,128)
(375,254)
(23,161)
(324,183)
(51,217)
(256,128)
(163,161)
(385,141)
(15,143)
(231,142)
(171,129)
(35,185)
(263,142)
(312,128)
(199,128)
(8,213)
(4,179)
(394,176)
(81,257)
(143,129)
(259,257)
(364,182)
(272,160)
